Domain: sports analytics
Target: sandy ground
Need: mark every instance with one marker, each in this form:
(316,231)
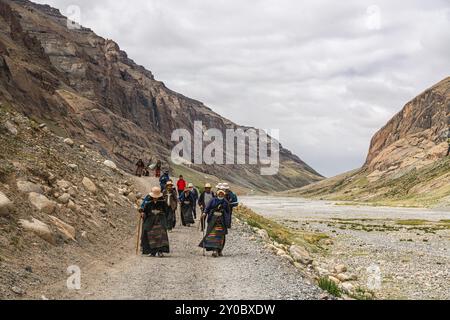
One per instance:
(413,260)
(248,271)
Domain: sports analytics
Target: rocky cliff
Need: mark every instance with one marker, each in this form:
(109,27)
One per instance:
(86,88)
(415,137)
(406,164)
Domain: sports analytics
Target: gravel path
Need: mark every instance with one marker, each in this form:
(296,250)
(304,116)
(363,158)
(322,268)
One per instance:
(247,271)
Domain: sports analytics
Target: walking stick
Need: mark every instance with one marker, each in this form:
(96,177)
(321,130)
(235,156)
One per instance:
(138,233)
(204,234)
(200,220)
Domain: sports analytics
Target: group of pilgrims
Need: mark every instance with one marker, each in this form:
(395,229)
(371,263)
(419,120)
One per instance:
(159,214)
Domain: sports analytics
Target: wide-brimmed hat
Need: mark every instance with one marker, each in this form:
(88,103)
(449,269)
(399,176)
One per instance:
(190,185)
(221,192)
(169,183)
(219,187)
(225,186)
(156,193)
(208,186)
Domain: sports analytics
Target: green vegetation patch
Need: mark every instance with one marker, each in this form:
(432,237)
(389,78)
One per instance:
(280,233)
(412,222)
(329,286)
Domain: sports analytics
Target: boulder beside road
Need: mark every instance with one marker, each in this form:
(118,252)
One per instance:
(42,203)
(5,205)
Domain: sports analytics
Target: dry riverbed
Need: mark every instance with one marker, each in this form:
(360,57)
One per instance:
(399,253)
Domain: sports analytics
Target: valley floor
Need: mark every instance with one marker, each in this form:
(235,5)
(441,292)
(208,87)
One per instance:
(411,247)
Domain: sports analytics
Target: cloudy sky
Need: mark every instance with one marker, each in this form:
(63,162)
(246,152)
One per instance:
(328,75)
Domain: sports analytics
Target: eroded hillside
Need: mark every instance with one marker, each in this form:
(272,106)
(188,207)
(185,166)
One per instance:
(84,87)
(407,162)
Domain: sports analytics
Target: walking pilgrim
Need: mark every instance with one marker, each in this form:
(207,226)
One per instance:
(217,214)
(171,198)
(187,208)
(195,194)
(232,200)
(203,201)
(154,239)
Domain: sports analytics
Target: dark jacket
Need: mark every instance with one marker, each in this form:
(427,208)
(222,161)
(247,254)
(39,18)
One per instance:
(232,199)
(163,181)
(173,198)
(153,210)
(190,197)
(140,164)
(145,201)
(201,200)
(218,205)
(195,193)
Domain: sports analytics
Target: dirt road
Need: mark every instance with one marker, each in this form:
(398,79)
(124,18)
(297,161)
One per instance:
(248,271)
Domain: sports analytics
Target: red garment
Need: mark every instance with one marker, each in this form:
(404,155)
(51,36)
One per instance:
(181,185)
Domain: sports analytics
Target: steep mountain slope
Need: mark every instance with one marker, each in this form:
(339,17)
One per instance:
(407,163)
(63,207)
(85,87)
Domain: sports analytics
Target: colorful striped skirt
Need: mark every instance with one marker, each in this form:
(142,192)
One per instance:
(215,237)
(158,239)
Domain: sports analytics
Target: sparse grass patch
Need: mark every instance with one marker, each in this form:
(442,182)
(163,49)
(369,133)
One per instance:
(361,294)
(412,222)
(279,233)
(424,187)
(329,286)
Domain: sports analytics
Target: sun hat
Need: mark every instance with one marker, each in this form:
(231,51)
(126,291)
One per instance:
(169,183)
(190,185)
(225,186)
(221,192)
(156,193)
(208,185)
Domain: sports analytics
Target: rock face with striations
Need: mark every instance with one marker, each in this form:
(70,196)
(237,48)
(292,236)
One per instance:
(406,164)
(87,87)
(415,137)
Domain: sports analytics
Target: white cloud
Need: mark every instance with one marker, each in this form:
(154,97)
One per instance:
(311,68)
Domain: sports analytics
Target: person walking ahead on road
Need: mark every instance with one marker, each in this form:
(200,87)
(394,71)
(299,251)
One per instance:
(217,212)
(232,201)
(154,240)
(171,198)
(140,166)
(158,169)
(164,179)
(187,208)
(195,194)
(181,185)
(204,200)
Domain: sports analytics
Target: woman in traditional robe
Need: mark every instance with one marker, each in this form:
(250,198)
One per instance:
(217,213)
(187,208)
(171,198)
(155,240)
(203,202)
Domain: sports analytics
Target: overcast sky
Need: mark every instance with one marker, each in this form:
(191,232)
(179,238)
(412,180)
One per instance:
(328,75)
